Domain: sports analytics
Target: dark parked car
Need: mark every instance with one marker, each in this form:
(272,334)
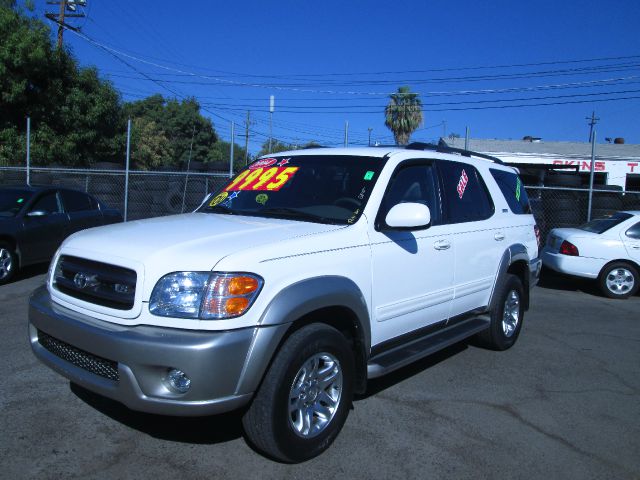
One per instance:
(35,220)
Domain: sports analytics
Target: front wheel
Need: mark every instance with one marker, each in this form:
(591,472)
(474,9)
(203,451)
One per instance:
(619,280)
(305,396)
(506,317)
(8,263)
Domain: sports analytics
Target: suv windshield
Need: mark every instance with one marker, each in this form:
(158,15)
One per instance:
(313,188)
(12,201)
(601,225)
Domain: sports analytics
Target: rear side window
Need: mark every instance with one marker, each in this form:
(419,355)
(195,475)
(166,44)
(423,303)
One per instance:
(634,232)
(513,190)
(76,201)
(466,195)
(601,225)
(47,203)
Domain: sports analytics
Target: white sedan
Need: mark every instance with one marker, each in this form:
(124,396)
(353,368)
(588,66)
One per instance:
(605,249)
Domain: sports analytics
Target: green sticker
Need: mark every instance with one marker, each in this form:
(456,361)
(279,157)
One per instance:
(262,198)
(369,175)
(518,189)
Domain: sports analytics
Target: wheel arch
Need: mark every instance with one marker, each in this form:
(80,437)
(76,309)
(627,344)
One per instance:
(13,243)
(331,300)
(620,260)
(515,261)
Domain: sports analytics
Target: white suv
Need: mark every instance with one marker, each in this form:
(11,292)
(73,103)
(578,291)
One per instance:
(309,273)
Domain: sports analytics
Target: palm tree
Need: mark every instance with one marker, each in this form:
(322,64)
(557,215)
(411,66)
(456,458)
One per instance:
(403,114)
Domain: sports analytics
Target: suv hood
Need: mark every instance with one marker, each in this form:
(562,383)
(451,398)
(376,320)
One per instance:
(193,241)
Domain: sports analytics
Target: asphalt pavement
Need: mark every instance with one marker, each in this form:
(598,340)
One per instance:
(563,403)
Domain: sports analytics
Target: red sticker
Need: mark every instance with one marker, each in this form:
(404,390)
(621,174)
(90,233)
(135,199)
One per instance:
(462,183)
(264,163)
(262,179)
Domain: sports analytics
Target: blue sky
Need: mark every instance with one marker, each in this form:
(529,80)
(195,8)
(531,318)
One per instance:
(333,62)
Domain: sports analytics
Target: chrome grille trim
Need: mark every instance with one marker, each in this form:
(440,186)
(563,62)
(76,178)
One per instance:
(96,282)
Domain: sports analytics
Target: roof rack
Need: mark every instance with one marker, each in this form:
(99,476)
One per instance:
(444,148)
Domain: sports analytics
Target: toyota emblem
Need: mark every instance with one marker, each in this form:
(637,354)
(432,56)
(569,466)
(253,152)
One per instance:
(82,280)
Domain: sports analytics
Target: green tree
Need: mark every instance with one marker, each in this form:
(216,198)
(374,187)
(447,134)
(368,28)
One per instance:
(181,123)
(75,116)
(151,147)
(218,158)
(276,146)
(403,114)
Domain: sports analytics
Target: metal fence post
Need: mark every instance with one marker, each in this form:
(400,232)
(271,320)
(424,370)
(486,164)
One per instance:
(591,175)
(126,175)
(28,150)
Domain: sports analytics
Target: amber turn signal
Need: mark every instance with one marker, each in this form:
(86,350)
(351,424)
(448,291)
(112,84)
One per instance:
(236,305)
(242,285)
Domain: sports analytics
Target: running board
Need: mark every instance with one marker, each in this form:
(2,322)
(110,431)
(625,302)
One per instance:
(407,353)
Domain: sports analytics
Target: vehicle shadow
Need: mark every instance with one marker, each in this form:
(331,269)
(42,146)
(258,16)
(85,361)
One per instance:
(228,426)
(552,280)
(30,271)
(198,430)
(377,385)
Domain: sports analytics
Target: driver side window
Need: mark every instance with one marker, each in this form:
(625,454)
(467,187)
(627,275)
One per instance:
(47,203)
(415,184)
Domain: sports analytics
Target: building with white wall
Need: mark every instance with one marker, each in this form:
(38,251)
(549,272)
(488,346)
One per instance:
(615,164)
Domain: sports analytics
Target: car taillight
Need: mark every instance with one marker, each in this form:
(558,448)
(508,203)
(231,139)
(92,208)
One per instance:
(568,248)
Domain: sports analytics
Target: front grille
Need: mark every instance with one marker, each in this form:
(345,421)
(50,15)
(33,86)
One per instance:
(96,282)
(85,360)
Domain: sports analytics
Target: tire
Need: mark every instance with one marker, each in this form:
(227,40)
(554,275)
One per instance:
(506,317)
(619,280)
(8,263)
(277,429)
(563,180)
(631,201)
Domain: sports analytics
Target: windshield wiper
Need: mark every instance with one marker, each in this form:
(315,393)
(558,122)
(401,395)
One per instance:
(221,209)
(284,212)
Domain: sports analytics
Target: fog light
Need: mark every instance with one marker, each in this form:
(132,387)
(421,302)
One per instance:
(178,381)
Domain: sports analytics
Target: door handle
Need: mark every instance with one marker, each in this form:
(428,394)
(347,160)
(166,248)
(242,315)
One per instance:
(499,236)
(442,245)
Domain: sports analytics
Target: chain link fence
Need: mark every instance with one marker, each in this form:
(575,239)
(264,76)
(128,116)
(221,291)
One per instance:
(149,194)
(568,207)
(154,194)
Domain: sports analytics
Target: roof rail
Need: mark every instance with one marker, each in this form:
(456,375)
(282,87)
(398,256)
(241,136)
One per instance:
(444,148)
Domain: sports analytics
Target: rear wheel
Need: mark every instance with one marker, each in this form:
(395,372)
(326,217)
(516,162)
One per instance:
(305,396)
(8,262)
(619,280)
(506,317)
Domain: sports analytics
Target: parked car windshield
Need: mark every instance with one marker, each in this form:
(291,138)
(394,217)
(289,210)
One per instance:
(314,188)
(12,201)
(601,225)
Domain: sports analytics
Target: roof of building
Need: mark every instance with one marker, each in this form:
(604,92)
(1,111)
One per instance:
(541,147)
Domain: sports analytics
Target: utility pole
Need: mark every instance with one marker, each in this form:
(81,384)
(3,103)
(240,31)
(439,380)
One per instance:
(370,130)
(346,133)
(233,139)
(444,129)
(272,104)
(246,138)
(592,122)
(59,18)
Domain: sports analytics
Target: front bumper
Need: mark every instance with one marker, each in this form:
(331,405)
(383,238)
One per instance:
(130,364)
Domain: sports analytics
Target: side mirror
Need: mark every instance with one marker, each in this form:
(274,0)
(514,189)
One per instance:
(37,213)
(409,215)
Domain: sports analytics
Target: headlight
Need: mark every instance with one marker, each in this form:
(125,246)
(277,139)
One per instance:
(204,295)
